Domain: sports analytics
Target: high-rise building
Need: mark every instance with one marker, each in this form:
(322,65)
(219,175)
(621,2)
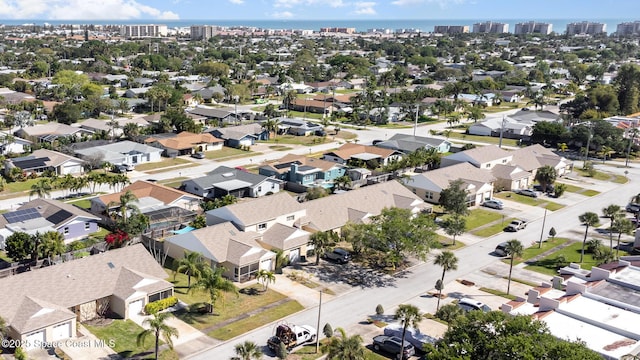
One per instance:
(532,27)
(141,31)
(628,28)
(451,29)
(490,27)
(202,32)
(586,28)
(338,30)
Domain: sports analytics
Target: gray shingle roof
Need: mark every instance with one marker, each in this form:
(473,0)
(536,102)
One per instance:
(223,174)
(56,211)
(409,143)
(262,209)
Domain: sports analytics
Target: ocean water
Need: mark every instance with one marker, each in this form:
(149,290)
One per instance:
(424,25)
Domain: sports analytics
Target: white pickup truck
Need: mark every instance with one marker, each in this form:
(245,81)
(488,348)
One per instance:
(292,336)
(516,225)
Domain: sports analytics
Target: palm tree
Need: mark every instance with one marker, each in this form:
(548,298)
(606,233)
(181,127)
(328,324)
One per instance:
(190,264)
(123,106)
(587,219)
(321,241)
(52,244)
(131,130)
(538,100)
(271,125)
(448,261)
(42,188)
(113,124)
(125,205)
(158,327)
(248,350)
(409,315)
(622,226)
(514,249)
(611,212)
(546,176)
(342,182)
(343,347)
(265,277)
(212,282)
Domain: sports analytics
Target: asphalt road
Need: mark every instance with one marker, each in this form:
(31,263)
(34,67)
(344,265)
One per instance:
(356,305)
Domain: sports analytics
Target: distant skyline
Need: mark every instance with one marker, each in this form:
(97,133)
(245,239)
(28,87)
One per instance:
(316,9)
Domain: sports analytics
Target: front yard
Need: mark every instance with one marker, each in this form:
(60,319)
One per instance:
(227,153)
(297,140)
(570,254)
(162,164)
(527,200)
(123,333)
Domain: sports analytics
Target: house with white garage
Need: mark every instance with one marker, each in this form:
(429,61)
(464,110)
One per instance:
(184,143)
(351,153)
(238,252)
(536,156)
(224,180)
(13,145)
(479,183)
(43,160)
(45,305)
(482,157)
(409,143)
(123,152)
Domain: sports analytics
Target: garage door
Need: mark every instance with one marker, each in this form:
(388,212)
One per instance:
(34,340)
(62,331)
(135,307)
(266,265)
(72,169)
(294,255)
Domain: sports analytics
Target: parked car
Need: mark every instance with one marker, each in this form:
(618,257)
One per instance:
(119,169)
(198,155)
(493,204)
(414,336)
(538,187)
(501,249)
(129,167)
(338,255)
(320,133)
(633,208)
(468,304)
(391,345)
(516,225)
(527,192)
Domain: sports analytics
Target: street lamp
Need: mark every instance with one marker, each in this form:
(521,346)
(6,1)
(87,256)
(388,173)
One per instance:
(236,98)
(634,132)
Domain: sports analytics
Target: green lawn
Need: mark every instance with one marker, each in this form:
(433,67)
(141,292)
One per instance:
(228,152)
(124,334)
(582,191)
(498,293)
(3,256)
(162,164)
(527,200)
(492,229)
(533,250)
(620,179)
(84,203)
(280,148)
(552,206)
(571,253)
(19,186)
(590,192)
(482,139)
(174,182)
(447,242)
(603,176)
(346,135)
(247,324)
(297,140)
(479,217)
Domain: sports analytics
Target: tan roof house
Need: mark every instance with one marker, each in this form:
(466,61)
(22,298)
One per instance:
(351,152)
(43,305)
(185,143)
(43,160)
(224,245)
(479,183)
(543,156)
(156,193)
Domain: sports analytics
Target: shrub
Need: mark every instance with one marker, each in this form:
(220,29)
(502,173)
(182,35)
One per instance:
(592,245)
(327,330)
(81,254)
(162,304)
(20,354)
(379,310)
(559,190)
(552,232)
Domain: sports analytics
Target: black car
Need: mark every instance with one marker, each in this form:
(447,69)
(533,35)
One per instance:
(198,155)
(633,208)
(119,169)
(338,255)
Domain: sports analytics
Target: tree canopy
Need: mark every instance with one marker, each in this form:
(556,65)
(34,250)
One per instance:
(454,198)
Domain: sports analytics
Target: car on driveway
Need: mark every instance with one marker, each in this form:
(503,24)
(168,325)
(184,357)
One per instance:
(493,204)
(119,169)
(391,345)
(516,225)
(633,208)
(198,155)
(468,304)
(527,192)
(338,255)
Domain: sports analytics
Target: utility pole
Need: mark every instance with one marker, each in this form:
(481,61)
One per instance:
(544,219)
(501,130)
(586,152)
(318,327)
(634,131)
(415,127)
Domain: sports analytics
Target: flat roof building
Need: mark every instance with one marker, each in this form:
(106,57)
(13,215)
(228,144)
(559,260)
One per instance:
(490,27)
(586,28)
(143,31)
(628,28)
(532,27)
(451,29)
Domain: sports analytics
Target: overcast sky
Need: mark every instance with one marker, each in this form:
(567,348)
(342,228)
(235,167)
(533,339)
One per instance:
(317,9)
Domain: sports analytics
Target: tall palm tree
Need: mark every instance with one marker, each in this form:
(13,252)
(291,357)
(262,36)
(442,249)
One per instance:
(622,225)
(343,347)
(42,188)
(271,125)
(322,241)
(158,327)
(587,219)
(248,350)
(190,264)
(265,277)
(131,130)
(611,212)
(212,282)
(514,249)
(52,244)
(126,203)
(409,315)
(448,261)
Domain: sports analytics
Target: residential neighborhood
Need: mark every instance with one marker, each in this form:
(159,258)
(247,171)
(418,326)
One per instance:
(240,192)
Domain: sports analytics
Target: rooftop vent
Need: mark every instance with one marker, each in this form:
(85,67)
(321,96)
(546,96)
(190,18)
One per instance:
(111,266)
(227,174)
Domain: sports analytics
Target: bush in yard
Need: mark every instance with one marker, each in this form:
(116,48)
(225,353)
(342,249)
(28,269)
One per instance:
(561,261)
(559,190)
(552,233)
(116,239)
(281,351)
(379,310)
(327,330)
(20,354)
(162,304)
(592,245)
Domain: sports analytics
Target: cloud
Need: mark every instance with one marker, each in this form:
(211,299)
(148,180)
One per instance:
(365,8)
(282,15)
(293,3)
(81,10)
(442,3)
(237,2)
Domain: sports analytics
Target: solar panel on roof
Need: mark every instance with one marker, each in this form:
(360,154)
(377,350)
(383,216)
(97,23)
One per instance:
(59,216)
(31,163)
(22,215)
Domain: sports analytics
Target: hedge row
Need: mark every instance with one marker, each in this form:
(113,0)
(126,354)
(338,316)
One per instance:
(154,307)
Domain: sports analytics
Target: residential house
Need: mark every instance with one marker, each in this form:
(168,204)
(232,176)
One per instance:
(151,196)
(312,106)
(242,135)
(535,156)
(352,153)
(331,213)
(484,157)
(115,130)
(45,160)
(13,145)
(215,115)
(269,216)
(510,128)
(239,253)
(185,143)
(478,183)
(299,88)
(45,304)
(49,132)
(598,307)
(304,170)
(408,143)
(210,93)
(229,181)
(136,92)
(480,99)
(43,215)
(298,127)
(123,152)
